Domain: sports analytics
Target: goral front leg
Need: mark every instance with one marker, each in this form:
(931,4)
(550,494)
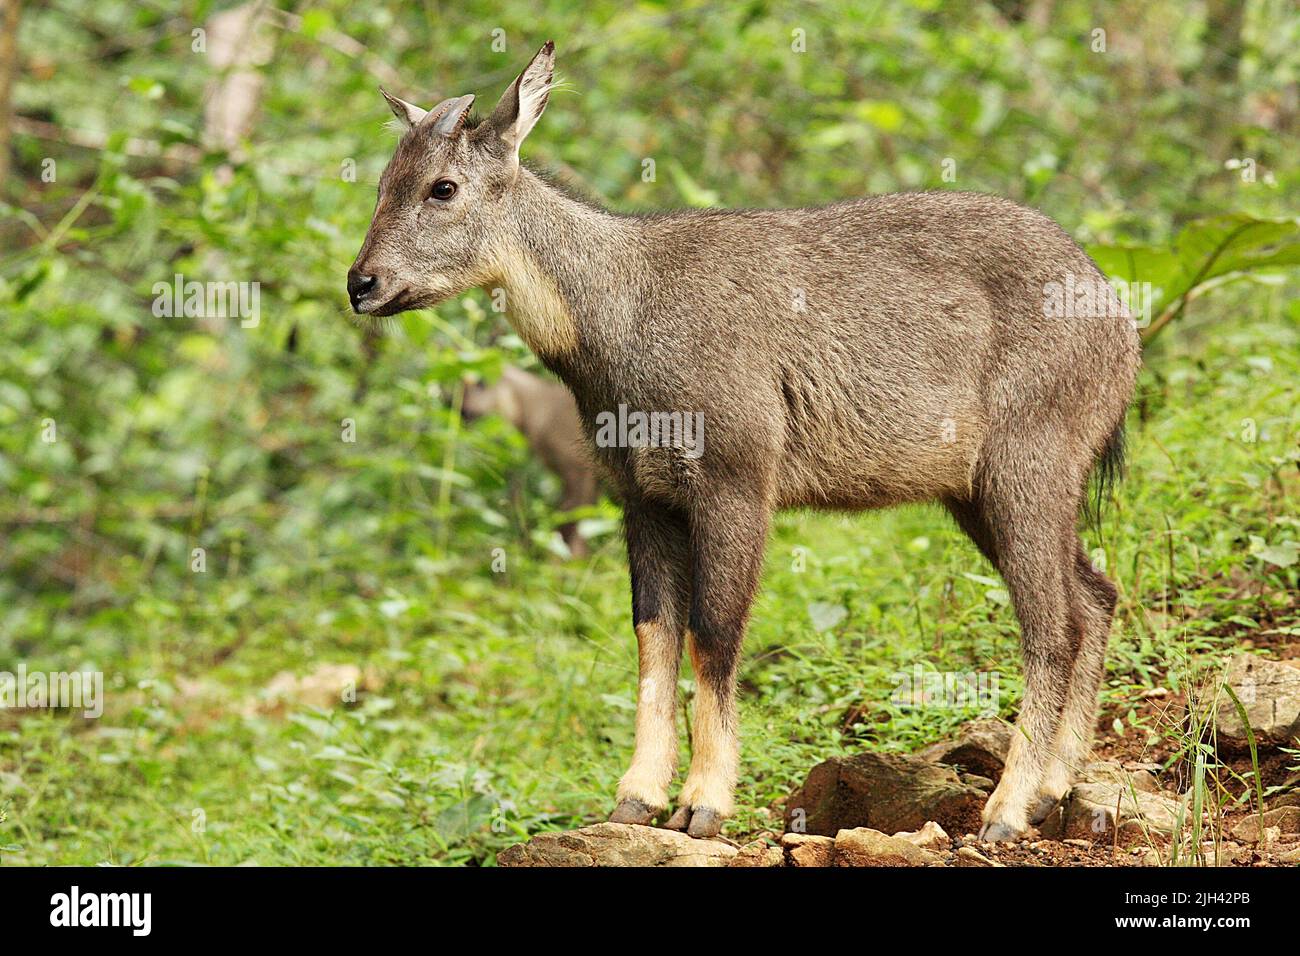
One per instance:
(643,790)
(657,556)
(729,533)
(706,798)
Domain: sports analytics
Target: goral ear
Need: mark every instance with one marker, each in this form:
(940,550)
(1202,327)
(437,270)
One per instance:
(447,118)
(522,103)
(408,114)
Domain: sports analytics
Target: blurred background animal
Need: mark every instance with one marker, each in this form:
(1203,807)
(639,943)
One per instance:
(545,413)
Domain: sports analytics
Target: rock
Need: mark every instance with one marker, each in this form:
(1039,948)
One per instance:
(801,849)
(1270,693)
(1088,813)
(1224,854)
(617,844)
(1283,819)
(929,837)
(969,856)
(978,782)
(1147,765)
(1234,854)
(863,846)
(980,747)
(758,854)
(1290,856)
(1110,771)
(329,685)
(886,792)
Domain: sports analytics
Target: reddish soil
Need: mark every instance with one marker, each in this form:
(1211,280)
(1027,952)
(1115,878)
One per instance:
(1152,743)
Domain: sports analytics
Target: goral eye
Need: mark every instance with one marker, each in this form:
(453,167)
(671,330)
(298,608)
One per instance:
(443,190)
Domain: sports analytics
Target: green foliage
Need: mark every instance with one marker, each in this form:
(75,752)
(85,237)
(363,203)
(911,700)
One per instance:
(489,704)
(1206,254)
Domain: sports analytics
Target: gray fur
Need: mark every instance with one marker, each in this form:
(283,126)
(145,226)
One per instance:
(858,355)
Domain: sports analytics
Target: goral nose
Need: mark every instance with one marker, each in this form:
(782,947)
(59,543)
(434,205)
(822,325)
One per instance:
(359,287)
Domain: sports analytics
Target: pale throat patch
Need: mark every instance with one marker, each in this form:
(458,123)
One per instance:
(439,285)
(534,305)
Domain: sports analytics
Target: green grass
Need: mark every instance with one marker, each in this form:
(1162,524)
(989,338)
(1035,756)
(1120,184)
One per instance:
(495,705)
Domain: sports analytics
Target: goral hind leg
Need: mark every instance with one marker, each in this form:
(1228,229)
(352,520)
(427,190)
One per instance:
(1096,599)
(1029,502)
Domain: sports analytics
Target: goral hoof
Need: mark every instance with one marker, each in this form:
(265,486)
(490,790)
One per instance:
(698,822)
(632,810)
(998,832)
(705,823)
(680,820)
(1043,808)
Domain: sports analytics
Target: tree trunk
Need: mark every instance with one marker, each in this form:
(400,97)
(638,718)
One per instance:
(8,73)
(1219,84)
